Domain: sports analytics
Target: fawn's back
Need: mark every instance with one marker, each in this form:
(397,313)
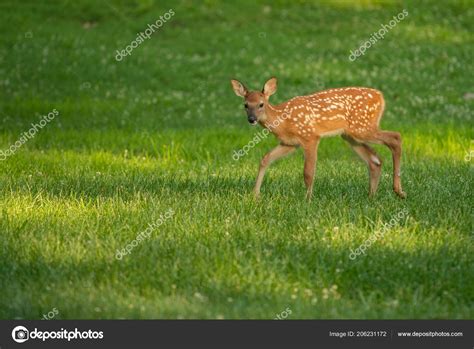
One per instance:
(355,111)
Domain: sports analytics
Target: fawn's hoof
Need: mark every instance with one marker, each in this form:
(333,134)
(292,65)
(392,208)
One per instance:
(401,194)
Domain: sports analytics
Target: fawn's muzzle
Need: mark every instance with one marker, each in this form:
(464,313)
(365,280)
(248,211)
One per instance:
(252,119)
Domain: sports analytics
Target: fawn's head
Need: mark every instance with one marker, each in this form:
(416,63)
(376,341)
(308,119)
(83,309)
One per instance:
(255,102)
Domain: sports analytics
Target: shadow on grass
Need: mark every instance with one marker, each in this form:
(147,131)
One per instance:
(384,275)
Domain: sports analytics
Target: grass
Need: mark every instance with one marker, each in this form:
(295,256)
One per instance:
(158,129)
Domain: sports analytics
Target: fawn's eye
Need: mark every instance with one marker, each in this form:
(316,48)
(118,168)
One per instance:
(246,105)
(261,105)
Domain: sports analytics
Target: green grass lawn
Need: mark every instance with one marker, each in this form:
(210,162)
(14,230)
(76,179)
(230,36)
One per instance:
(157,130)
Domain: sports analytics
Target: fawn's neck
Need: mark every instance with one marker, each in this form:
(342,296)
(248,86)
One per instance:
(275,116)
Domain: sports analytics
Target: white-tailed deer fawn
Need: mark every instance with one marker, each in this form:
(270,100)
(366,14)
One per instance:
(352,112)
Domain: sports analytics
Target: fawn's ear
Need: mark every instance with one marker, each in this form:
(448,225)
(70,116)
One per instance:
(270,87)
(239,88)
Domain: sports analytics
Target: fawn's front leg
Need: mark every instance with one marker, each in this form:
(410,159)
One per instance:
(310,159)
(278,152)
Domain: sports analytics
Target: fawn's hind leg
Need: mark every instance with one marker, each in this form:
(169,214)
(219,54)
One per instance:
(393,141)
(370,157)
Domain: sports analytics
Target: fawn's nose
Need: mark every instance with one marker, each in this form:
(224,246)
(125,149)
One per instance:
(252,119)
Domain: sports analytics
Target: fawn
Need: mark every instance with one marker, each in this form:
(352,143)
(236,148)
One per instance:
(352,112)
